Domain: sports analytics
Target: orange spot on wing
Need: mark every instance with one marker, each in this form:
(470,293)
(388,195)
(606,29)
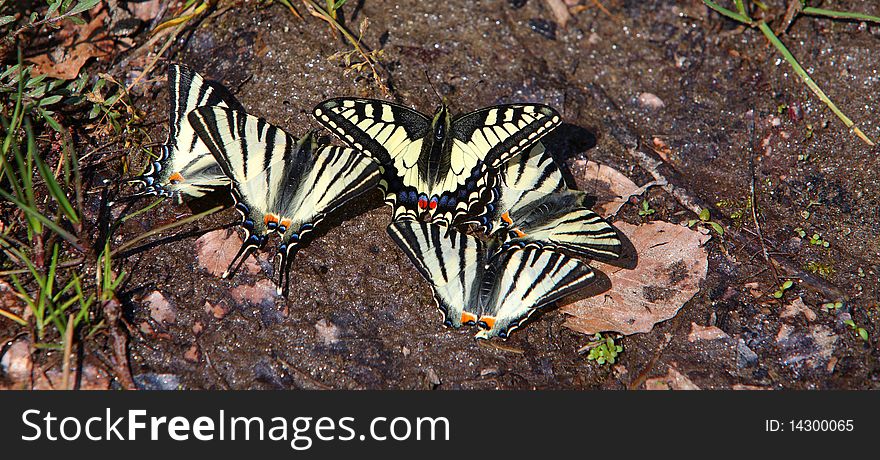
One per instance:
(506,218)
(519,233)
(489,320)
(286,223)
(270,218)
(468,317)
(176,177)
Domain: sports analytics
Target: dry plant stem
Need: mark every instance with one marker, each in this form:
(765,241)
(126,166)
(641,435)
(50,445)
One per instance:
(754,203)
(68,345)
(119,343)
(319,13)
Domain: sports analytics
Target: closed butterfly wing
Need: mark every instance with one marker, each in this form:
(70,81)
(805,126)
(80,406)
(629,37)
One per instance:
(280,184)
(518,282)
(524,179)
(453,263)
(185,166)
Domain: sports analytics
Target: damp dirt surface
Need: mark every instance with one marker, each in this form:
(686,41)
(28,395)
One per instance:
(359,316)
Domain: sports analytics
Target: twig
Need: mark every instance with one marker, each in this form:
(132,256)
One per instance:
(754,204)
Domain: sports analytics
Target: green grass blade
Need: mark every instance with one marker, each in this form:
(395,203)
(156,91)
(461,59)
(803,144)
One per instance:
(730,14)
(44,220)
(54,189)
(840,14)
(765,29)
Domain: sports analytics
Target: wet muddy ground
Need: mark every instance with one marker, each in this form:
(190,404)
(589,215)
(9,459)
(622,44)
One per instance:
(359,316)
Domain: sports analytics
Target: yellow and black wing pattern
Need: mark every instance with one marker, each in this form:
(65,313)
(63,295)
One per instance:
(185,167)
(435,166)
(497,292)
(280,184)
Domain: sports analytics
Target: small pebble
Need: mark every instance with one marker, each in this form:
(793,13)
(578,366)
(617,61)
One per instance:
(651,101)
(543,27)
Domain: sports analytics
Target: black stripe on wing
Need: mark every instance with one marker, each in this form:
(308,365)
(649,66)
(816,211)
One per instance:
(352,118)
(500,132)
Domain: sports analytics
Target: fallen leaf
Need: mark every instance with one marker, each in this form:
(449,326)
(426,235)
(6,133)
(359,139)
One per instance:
(192,354)
(798,306)
(673,380)
(672,263)
(79,43)
(705,333)
(218,311)
(215,250)
(160,310)
(611,188)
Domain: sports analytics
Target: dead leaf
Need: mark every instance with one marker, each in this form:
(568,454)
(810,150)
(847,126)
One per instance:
(672,263)
(192,354)
(673,380)
(218,311)
(79,43)
(611,188)
(798,306)
(160,310)
(215,250)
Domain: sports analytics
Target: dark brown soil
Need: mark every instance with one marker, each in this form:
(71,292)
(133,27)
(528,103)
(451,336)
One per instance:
(728,97)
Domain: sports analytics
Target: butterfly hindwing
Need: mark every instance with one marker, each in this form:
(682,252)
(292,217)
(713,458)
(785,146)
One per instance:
(452,263)
(185,166)
(280,184)
(520,281)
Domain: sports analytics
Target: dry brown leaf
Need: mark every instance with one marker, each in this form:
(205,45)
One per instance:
(160,310)
(611,188)
(262,292)
(80,42)
(672,263)
(798,306)
(216,249)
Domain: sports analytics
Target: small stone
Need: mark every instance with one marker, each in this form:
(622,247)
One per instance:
(489,371)
(745,356)
(705,333)
(192,355)
(328,332)
(197,328)
(218,311)
(431,377)
(798,306)
(651,101)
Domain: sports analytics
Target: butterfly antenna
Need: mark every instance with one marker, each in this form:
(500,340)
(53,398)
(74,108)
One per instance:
(433,88)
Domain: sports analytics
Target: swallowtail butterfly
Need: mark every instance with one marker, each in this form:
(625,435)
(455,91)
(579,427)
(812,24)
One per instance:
(435,165)
(185,166)
(280,184)
(496,292)
(533,206)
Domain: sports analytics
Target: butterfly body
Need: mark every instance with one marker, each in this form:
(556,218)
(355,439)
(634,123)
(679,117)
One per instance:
(435,166)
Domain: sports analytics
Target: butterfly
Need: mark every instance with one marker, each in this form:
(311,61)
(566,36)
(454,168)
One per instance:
(533,206)
(496,291)
(185,167)
(280,184)
(435,165)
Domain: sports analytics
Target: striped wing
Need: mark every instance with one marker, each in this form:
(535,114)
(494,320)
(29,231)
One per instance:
(497,134)
(185,165)
(452,263)
(281,184)
(518,282)
(524,179)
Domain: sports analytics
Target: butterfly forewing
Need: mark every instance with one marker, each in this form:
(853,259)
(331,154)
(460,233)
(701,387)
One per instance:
(453,263)
(496,134)
(435,165)
(523,281)
(580,231)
